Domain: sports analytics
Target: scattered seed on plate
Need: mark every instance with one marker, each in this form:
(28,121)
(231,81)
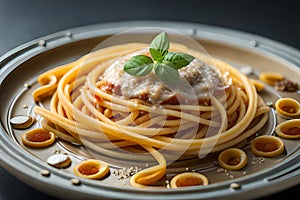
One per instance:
(221,170)
(27,85)
(235,186)
(126,172)
(25,106)
(167,184)
(42,43)
(45,172)
(75,181)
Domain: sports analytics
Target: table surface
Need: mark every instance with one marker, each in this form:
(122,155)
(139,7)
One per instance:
(22,21)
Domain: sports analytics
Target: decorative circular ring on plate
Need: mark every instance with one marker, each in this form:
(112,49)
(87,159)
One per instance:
(91,169)
(188,179)
(267,146)
(232,159)
(289,129)
(38,138)
(288,107)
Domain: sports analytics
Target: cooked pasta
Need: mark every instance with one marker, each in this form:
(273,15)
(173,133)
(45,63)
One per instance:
(85,109)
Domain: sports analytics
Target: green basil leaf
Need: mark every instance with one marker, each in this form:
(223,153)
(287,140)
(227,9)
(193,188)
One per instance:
(179,59)
(156,55)
(139,65)
(166,73)
(161,44)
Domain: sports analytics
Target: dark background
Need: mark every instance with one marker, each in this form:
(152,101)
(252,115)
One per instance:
(25,20)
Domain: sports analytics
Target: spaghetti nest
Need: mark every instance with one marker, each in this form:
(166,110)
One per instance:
(82,110)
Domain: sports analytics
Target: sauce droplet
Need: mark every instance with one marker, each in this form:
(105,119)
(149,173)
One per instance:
(191,181)
(266,146)
(38,136)
(289,109)
(233,161)
(88,170)
(292,131)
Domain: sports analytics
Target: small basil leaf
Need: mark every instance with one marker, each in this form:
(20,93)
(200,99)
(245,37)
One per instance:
(160,43)
(166,73)
(156,55)
(170,64)
(139,65)
(179,59)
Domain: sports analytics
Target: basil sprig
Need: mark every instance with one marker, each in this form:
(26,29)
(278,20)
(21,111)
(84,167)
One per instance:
(164,63)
